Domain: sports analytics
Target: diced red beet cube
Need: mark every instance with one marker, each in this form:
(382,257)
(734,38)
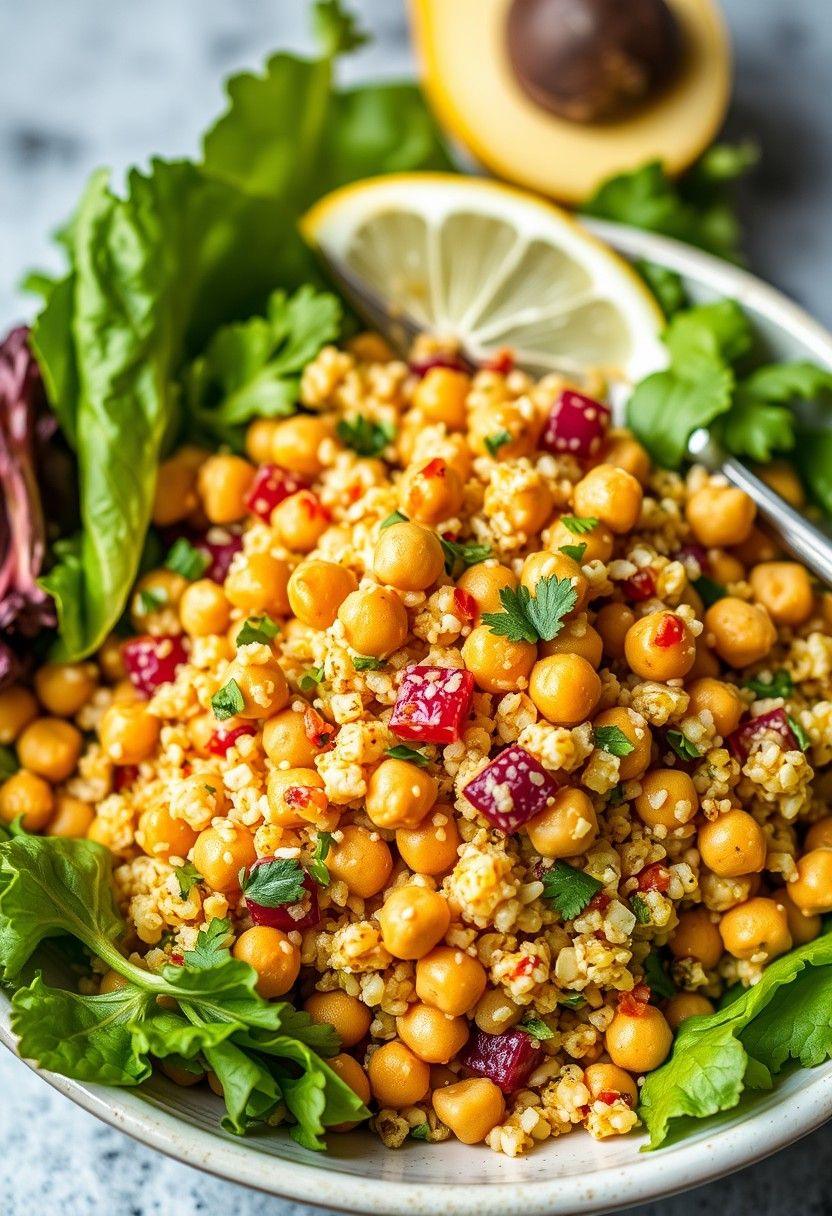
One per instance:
(511,789)
(698,553)
(223,740)
(272,483)
(421,367)
(640,586)
(151,661)
(576,426)
(303,915)
(433,704)
(507,1059)
(220,546)
(774,725)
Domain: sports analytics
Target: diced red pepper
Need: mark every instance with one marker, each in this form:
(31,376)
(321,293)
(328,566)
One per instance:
(502,361)
(640,586)
(576,426)
(434,468)
(421,367)
(124,775)
(465,603)
(511,789)
(609,1096)
(633,1004)
(319,732)
(654,878)
(303,915)
(670,632)
(223,740)
(303,797)
(507,1059)
(272,483)
(311,505)
(698,553)
(151,661)
(599,903)
(433,704)
(773,725)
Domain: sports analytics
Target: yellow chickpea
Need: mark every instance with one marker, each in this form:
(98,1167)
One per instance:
(220,853)
(440,396)
(63,688)
(610,495)
(705,664)
(720,515)
(72,817)
(577,637)
(733,844)
(352,1074)
(262,684)
(660,646)
(370,347)
(274,957)
(409,557)
(639,1041)
(26,794)
(300,521)
(350,1017)
(599,541)
(517,419)
(260,440)
(529,509)
(495,1012)
(110,659)
(295,796)
(484,582)
(725,568)
(697,936)
(175,496)
(286,742)
(719,700)
(154,605)
(686,1005)
(204,609)
(432,1035)
(258,583)
(400,794)
(803,928)
(624,452)
(819,834)
(783,479)
(757,929)
(471,1109)
(555,565)
(565,689)
(742,633)
(50,747)
(759,547)
(223,483)
(17,709)
(413,920)
(811,891)
(160,835)
(497,664)
(668,799)
(430,847)
(431,492)
(296,443)
(317,589)
(785,590)
(638,733)
(397,1076)
(614,622)
(450,980)
(566,828)
(375,621)
(610,1079)
(361,860)
(111,981)
(128,733)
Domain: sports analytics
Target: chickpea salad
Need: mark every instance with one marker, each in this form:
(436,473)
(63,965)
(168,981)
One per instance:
(396,743)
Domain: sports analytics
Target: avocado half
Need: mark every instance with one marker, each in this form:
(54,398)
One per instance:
(478,94)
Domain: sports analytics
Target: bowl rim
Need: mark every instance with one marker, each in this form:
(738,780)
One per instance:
(703,1157)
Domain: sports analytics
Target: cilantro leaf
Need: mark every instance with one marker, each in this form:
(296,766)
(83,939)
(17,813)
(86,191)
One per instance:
(364,436)
(780,685)
(228,701)
(151,599)
(366,662)
(569,890)
(641,909)
(529,618)
(396,518)
(184,559)
(814,458)
(257,629)
(212,945)
(421,1131)
(682,746)
(537,1028)
(187,876)
(310,679)
(576,552)
(573,1000)
(656,976)
(8,763)
(666,285)
(613,740)
(273,883)
(496,441)
(709,590)
(579,525)
(803,740)
(402,752)
(459,557)
(761,421)
(336,29)
(317,865)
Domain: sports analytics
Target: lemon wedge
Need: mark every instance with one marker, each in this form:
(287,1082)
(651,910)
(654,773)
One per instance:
(493,267)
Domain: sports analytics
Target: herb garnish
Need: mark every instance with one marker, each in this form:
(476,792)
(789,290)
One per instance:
(402,752)
(613,740)
(531,618)
(186,560)
(682,746)
(569,890)
(364,436)
(273,883)
(228,701)
(257,629)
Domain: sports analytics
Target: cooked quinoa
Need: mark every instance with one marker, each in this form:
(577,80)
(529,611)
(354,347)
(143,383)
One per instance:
(528,856)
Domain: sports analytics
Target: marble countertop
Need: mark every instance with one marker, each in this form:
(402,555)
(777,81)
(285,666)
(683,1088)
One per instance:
(108,81)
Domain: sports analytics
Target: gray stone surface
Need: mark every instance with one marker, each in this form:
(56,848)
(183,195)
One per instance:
(86,82)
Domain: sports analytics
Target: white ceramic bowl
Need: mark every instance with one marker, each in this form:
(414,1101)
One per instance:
(570,1175)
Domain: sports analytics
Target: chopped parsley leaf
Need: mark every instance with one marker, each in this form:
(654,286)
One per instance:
(396,518)
(496,441)
(531,618)
(803,740)
(228,701)
(641,909)
(780,685)
(151,600)
(257,629)
(310,679)
(364,436)
(366,662)
(579,525)
(537,1028)
(613,740)
(402,752)
(709,590)
(569,890)
(656,976)
(459,557)
(682,746)
(576,552)
(186,560)
(273,883)
(317,865)
(187,876)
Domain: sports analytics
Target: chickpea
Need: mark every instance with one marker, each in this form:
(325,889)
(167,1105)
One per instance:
(397,1076)
(566,828)
(260,439)
(160,835)
(565,689)
(175,495)
(413,920)
(295,796)
(370,347)
(610,495)
(63,688)
(471,1109)
(375,621)
(517,419)
(686,1005)
(450,980)
(706,664)
(220,853)
(258,583)
(697,936)
(274,957)
(742,633)
(50,747)
(610,1079)
(759,547)
(720,515)
(732,844)
(528,509)
(350,1017)
(819,834)
(17,709)
(296,443)
(110,659)
(317,589)
(624,452)
(432,1035)
(409,557)
(556,565)
(725,568)
(361,860)
(223,482)
(757,929)
(639,1041)
(204,609)
(26,794)
(660,646)
(720,700)
(262,684)
(400,794)
(111,981)
(785,590)
(599,541)
(811,891)
(128,733)
(783,479)
(613,622)
(431,492)
(300,521)
(668,799)
(154,605)
(430,847)
(72,817)
(126,693)
(497,664)
(638,733)
(803,928)
(440,396)
(495,1012)
(351,1073)
(484,582)
(286,742)
(576,637)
